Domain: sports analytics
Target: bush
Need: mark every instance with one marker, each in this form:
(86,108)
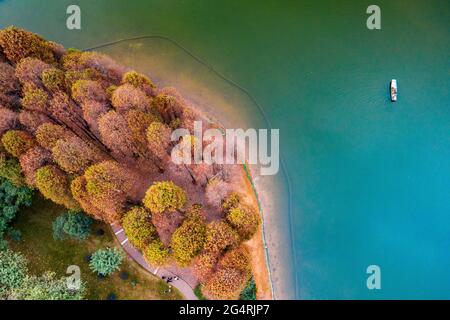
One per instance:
(198,292)
(46,287)
(249,292)
(72,224)
(106,261)
(156,254)
(245,220)
(17,142)
(13,270)
(188,240)
(138,227)
(54,185)
(164,195)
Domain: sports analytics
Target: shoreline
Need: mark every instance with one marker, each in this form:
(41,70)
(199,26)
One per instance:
(219,107)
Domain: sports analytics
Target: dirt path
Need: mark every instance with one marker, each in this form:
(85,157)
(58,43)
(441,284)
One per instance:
(182,285)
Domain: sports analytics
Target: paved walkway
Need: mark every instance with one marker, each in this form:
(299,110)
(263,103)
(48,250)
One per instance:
(186,290)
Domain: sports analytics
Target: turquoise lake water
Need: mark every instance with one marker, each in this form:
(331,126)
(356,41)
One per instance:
(369,179)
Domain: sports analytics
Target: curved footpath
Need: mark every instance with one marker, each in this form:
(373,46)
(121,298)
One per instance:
(186,290)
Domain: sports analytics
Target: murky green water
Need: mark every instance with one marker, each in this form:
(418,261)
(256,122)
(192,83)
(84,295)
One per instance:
(370,180)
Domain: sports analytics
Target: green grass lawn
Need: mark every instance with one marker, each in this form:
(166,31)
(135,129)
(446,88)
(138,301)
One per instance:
(46,254)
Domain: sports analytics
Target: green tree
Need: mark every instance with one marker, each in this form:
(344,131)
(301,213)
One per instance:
(164,195)
(106,261)
(73,224)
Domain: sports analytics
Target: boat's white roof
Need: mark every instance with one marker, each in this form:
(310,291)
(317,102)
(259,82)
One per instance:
(394,82)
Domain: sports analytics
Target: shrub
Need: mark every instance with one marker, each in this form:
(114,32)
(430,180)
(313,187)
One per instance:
(54,185)
(72,224)
(249,292)
(106,261)
(46,287)
(245,220)
(220,236)
(164,195)
(13,270)
(188,240)
(156,254)
(17,142)
(198,292)
(18,44)
(138,227)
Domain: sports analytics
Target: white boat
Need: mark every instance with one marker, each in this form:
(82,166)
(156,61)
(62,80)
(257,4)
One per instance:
(393,90)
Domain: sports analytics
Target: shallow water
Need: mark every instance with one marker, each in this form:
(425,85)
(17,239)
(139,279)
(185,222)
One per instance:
(370,180)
